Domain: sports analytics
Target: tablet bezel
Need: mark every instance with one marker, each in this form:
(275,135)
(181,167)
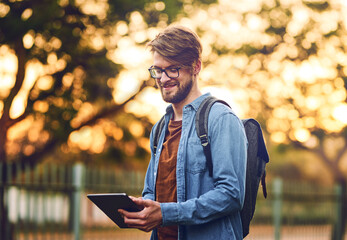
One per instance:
(109,203)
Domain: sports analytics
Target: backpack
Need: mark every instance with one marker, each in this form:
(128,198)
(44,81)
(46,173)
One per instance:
(257,156)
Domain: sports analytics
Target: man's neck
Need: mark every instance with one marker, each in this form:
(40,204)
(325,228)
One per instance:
(178,107)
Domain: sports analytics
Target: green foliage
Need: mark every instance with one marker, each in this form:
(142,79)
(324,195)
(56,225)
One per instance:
(64,31)
(61,30)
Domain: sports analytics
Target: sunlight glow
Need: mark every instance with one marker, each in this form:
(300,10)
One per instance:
(88,138)
(302,135)
(94,7)
(18,106)
(305,94)
(340,113)
(231,97)
(312,142)
(159,6)
(149,103)
(8,69)
(4,9)
(300,19)
(136,129)
(33,70)
(313,102)
(126,85)
(117,134)
(27,14)
(45,83)
(122,28)
(41,106)
(278,137)
(28,40)
(129,54)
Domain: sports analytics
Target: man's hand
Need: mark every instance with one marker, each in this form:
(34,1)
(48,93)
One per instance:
(147,219)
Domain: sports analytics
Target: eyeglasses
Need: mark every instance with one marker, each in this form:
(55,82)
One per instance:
(171,72)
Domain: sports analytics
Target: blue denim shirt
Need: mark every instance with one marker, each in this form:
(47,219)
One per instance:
(207,207)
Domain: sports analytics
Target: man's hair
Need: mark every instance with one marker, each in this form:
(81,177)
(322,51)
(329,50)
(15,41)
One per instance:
(178,44)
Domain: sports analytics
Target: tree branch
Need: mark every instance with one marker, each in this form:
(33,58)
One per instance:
(340,154)
(20,53)
(332,165)
(38,155)
(110,110)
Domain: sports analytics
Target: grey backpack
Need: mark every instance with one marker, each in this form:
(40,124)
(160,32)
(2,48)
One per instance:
(257,156)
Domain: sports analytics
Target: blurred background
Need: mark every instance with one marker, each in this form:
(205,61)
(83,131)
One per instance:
(77,105)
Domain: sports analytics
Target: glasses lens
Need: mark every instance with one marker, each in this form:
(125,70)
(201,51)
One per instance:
(155,72)
(172,72)
(158,72)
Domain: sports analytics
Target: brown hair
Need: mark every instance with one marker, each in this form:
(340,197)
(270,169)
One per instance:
(178,44)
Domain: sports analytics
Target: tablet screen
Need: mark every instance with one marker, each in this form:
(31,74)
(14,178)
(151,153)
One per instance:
(109,203)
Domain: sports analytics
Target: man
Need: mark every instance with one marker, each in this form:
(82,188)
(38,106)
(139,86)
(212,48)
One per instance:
(180,200)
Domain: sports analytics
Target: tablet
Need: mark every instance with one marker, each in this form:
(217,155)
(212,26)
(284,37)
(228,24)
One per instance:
(109,203)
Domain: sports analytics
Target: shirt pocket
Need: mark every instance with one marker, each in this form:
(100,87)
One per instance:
(196,160)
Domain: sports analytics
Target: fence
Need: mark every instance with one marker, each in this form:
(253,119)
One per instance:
(298,210)
(49,202)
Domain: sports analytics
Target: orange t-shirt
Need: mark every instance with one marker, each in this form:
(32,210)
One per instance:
(166,190)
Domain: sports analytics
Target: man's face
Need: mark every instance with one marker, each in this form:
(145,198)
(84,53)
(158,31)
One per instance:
(173,90)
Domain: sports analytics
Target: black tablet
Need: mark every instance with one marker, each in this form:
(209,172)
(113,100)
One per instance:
(109,203)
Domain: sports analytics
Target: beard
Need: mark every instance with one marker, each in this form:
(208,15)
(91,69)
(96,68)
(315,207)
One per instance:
(180,94)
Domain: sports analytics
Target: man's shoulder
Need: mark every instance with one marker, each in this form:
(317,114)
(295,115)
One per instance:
(220,111)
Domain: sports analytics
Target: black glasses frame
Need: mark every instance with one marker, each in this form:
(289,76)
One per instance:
(163,70)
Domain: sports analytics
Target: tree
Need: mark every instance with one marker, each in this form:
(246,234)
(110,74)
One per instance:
(53,35)
(65,75)
(286,60)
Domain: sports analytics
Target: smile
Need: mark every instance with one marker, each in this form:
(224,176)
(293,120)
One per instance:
(169,85)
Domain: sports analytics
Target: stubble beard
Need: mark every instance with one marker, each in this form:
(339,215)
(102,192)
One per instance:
(181,93)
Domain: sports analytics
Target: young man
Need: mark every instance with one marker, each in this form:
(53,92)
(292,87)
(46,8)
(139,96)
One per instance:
(180,200)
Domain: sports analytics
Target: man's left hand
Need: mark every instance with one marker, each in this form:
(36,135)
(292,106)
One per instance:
(147,219)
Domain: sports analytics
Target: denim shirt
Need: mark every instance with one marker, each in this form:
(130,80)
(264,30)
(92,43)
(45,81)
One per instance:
(207,207)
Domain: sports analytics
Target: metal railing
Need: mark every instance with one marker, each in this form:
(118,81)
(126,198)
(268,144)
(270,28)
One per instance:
(49,201)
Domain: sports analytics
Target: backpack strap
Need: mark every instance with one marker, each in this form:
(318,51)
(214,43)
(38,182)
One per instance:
(201,126)
(157,133)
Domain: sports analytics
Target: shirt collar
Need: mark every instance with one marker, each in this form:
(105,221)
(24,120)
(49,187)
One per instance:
(195,104)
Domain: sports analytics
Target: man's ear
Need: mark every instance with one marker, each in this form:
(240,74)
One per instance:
(197,67)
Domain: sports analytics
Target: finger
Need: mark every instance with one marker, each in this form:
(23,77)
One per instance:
(130,215)
(132,198)
(139,224)
(121,212)
(134,223)
(125,213)
(138,201)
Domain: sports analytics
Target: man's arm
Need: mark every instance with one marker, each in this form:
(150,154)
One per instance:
(148,189)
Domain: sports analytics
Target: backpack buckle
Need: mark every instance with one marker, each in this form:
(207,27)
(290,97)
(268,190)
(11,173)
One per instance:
(204,140)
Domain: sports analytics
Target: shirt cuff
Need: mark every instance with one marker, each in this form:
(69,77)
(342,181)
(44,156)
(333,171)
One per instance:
(169,212)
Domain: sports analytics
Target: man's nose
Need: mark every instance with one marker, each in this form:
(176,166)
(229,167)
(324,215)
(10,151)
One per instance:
(164,78)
